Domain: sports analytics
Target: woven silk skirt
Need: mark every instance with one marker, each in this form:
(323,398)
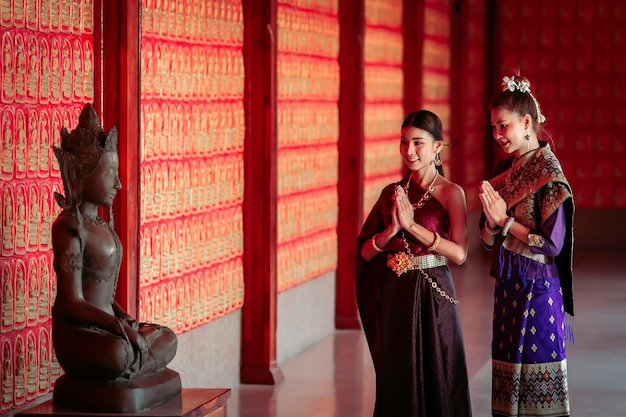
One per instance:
(529,374)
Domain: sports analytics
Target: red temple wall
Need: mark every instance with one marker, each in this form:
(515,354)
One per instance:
(384,112)
(192,131)
(308,130)
(46,69)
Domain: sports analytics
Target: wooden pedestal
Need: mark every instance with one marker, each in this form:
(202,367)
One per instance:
(193,402)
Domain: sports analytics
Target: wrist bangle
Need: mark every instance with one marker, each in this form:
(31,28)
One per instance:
(507,226)
(374,245)
(432,247)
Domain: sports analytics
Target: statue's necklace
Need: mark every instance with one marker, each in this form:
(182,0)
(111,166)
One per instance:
(96,221)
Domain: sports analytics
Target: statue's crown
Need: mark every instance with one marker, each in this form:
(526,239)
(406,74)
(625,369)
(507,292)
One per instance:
(80,153)
(88,138)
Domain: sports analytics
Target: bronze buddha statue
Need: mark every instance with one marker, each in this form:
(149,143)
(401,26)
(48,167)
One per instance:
(111,362)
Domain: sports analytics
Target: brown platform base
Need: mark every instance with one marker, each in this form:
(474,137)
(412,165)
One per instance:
(120,396)
(192,402)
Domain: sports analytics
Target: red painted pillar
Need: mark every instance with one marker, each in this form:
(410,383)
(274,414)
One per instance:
(258,341)
(117,75)
(351,145)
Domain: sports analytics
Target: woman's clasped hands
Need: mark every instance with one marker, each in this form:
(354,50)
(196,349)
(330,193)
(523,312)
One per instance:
(494,205)
(402,212)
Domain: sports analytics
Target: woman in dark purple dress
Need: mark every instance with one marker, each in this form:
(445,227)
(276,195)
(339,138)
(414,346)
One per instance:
(527,222)
(405,290)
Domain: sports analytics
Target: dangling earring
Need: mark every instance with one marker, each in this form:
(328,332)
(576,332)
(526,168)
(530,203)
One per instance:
(437,159)
(527,137)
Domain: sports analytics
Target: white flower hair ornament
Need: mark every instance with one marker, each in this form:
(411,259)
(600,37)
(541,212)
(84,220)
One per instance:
(512,85)
(523,86)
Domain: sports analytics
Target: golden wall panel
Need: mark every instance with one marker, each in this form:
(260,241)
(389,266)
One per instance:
(308,131)
(436,81)
(191,169)
(384,86)
(46,69)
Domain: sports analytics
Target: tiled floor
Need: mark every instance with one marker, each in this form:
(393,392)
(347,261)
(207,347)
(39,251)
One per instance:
(334,378)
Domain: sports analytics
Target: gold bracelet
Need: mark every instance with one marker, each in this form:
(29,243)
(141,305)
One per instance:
(374,245)
(435,244)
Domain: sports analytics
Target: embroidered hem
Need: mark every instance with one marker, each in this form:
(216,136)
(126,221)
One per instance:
(530,390)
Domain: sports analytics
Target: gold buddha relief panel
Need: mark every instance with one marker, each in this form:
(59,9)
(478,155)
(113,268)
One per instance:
(46,69)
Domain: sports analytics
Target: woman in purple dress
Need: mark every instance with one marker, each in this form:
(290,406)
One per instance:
(527,222)
(405,290)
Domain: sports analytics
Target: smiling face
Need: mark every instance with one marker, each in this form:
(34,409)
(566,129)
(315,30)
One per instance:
(418,148)
(101,186)
(509,130)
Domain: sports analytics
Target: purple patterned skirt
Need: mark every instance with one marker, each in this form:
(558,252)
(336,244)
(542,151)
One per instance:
(529,368)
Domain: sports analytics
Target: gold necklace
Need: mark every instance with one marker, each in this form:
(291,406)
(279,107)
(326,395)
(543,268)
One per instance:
(427,194)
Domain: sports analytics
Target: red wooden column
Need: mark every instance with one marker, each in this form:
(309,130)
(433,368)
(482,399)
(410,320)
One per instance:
(117,75)
(459,48)
(412,54)
(258,341)
(351,145)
